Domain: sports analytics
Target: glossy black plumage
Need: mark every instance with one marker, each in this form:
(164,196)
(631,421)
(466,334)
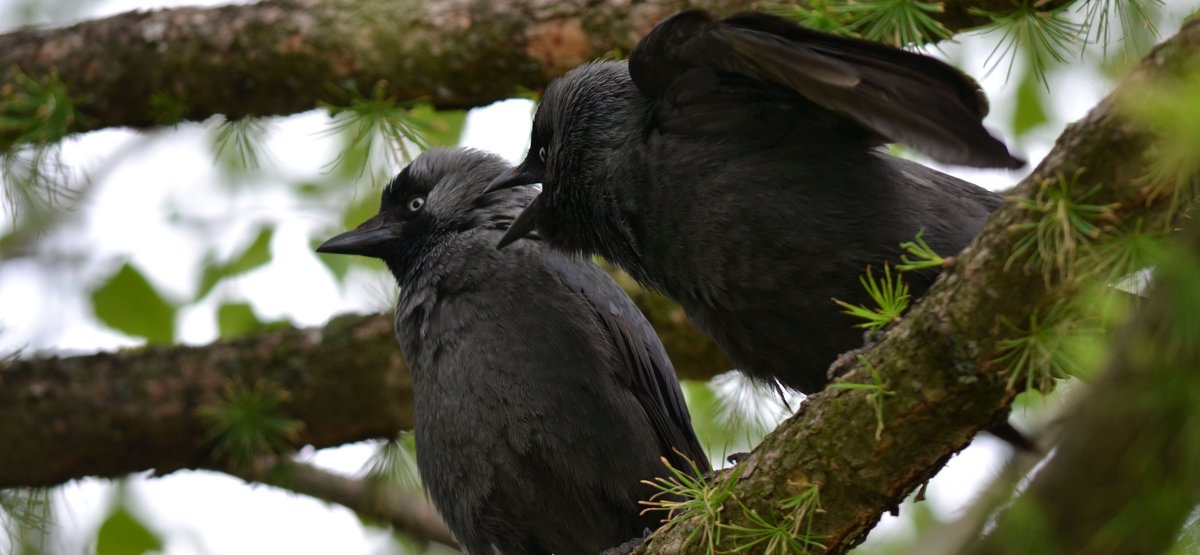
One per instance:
(735,166)
(542,396)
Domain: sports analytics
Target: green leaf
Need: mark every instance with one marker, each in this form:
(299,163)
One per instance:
(256,254)
(129,304)
(234,319)
(1030,111)
(123,534)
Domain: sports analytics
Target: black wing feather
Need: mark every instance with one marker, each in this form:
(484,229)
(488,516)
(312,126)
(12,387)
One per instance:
(902,96)
(647,370)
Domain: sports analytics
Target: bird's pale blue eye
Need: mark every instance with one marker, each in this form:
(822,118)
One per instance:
(416,203)
(542,154)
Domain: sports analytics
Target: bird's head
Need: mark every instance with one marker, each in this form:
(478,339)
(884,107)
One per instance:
(441,192)
(583,115)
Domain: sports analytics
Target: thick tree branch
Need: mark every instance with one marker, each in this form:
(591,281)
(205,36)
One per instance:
(406,512)
(114,413)
(275,57)
(941,359)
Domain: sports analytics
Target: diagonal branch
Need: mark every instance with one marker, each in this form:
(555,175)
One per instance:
(406,512)
(940,360)
(276,57)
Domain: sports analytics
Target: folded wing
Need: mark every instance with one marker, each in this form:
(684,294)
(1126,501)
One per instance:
(645,368)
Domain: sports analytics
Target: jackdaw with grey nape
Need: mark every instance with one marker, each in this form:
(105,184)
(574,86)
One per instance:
(541,395)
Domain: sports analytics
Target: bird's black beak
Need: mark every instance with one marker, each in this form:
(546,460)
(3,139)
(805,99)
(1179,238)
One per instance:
(523,224)
(514,177)
(365,240)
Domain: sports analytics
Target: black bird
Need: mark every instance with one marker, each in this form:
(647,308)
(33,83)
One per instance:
(736,167)
(541,394)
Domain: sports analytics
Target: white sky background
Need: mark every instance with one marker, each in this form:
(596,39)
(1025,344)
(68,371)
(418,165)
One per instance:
(43,307)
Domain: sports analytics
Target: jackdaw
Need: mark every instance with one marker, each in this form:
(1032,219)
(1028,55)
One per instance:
(541,395)
(736,167)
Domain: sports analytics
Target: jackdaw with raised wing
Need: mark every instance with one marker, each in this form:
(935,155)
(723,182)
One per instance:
(736,166)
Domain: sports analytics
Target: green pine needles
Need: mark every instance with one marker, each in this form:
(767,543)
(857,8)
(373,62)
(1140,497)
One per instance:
(922,255)
(239,143)
(375,122)
(791,533)
(891,300)
(688,495)
(1051,244)
(703,500)
(36,111)
(248,422)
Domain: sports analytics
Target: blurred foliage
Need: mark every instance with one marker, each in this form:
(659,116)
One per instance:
(238,144)
(167,108)
(128,303)
(1172,108)
(253,256)
(237,319)
(377,125)
(442,128)
(1136,19)
(1029,111)
(1038,353)
(35,179)
(1043,38)
(35,110)
(27,515)
(123,533)
(394,464)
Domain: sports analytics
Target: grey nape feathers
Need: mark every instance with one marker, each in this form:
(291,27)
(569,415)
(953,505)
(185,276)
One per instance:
(542,396)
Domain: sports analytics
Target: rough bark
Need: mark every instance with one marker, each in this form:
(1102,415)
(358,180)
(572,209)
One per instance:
(110,414)
(141,69)
(940,360)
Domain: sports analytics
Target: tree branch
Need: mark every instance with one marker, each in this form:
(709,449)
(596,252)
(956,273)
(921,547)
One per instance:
(941,359)
(275,57)
(111,414)
(406,512)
